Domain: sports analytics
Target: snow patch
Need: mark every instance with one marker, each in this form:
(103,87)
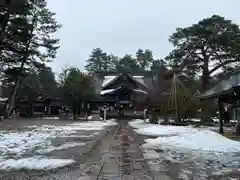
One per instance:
(78,126)
(61,147)
(138,123)
(34,163)
(50,118)
(21,142)
(200,140)
(164,130)
(150,154)
(15,144)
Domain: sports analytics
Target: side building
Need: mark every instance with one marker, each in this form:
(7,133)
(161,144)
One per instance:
(226,92)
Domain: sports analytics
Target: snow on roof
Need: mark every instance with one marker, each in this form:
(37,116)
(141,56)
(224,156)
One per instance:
(107,91)
(222,86)
(140,91)
(107,79)
(103,92)
(139,79)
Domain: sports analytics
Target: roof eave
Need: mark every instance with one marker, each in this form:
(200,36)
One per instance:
(211,96)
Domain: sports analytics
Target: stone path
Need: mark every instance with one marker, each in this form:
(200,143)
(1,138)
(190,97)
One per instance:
(121,158)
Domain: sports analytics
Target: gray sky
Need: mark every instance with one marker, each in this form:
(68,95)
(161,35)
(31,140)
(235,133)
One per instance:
(123,26)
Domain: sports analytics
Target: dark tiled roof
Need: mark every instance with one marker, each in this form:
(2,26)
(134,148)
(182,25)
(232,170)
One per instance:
(220,88)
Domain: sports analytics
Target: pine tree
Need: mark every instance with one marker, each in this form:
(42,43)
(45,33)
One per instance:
(99,61)
(36,44)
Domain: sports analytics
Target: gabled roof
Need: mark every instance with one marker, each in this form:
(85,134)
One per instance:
(112,79)
(107,80)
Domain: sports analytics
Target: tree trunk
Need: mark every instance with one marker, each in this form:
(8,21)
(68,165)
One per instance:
(4,24)
(205,114)
(23,60)
(11,104)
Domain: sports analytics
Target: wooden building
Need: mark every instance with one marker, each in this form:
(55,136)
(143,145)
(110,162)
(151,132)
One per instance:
(125,88)
(227,93)
(42,106)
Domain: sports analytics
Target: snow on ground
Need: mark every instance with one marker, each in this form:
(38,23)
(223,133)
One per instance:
(61,147)
(185,137)
(192,152)
(34,163)
(200,140)
(214,119)
(21,142)
(138,123)
(147,129)
(50,117)
(74,127)
(164,130)
(150,154)
(15,144)
(216,128)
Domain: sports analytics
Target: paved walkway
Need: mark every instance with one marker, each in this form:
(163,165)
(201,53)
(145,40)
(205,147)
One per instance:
(121,158)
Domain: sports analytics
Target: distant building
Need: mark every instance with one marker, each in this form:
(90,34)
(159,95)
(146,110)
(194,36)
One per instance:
(42,106)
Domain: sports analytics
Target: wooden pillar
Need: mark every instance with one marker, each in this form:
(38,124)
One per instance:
(221,111)
(49,109)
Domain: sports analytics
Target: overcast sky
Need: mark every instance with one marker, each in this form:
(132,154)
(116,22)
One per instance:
(123,26)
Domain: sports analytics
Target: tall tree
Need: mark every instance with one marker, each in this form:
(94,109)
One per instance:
(38,44)
(48,82)
(159,65)
(76,88)
(144,58)
(206,47)
(114,62)
(13,30)
(129,63)
(99,61)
